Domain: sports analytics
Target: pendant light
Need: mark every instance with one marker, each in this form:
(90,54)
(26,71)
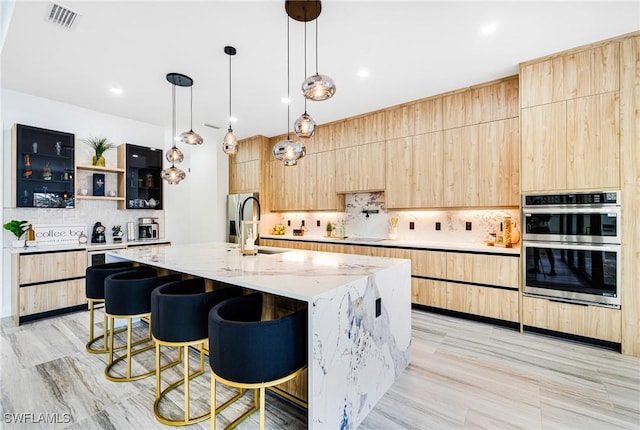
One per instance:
(191,137)
(318,87)
(172,174)
(305,126)
(288,151)
(230,143)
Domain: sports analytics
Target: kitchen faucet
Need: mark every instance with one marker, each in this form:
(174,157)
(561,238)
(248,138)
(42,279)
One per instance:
(241,214)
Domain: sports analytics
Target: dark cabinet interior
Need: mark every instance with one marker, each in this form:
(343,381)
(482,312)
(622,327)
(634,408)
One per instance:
(44,170)
(143,177)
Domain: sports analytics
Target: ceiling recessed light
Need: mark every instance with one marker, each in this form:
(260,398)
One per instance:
(363,73)
(233,119)
(115,90)
(488,29)
(286,100)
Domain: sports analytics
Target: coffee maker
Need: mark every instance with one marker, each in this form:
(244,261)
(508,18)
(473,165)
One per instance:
(148,229)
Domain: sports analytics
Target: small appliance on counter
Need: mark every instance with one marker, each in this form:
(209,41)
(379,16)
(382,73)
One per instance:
(148,228)
(98,233)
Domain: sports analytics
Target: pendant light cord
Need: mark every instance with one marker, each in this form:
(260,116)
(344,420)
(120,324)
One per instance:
(288,93)
(317,16)
(173,117)
(229,90)
(305,62)
(191,113)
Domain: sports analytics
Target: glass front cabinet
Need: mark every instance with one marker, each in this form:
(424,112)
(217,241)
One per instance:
(143,180)
(44,168)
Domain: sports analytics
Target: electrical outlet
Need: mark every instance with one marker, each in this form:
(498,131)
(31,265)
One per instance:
(288,223)
(438,226)
(468,226)
(302,223)
(318,223)
(378,307)
(412,225)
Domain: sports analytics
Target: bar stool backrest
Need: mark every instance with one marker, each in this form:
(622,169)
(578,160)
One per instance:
(244,349)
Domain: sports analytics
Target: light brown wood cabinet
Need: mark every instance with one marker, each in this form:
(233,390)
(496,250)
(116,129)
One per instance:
(481,165)
(310,185)
(589,321)
(46,282)
(414,171)
(245,166)
(571,120)
(544,149)
(360,168)
(578,73)
(477,284)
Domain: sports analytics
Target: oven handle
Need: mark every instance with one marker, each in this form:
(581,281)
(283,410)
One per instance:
(607,210)
(568,245)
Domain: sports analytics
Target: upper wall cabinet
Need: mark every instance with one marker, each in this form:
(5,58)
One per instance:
(360,168)
(245,166)
(571,120)
(576,74)
(43,167)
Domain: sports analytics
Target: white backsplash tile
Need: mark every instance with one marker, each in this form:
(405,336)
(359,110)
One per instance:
(453,222)
(86,212)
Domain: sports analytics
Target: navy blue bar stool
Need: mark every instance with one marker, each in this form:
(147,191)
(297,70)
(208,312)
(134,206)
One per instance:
(248,352)
(94,290)
(180,310)
(128,296)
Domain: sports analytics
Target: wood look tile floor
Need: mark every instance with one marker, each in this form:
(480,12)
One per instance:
(463,375)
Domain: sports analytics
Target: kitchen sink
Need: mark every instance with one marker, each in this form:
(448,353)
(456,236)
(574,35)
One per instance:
(272,251)
(363,239)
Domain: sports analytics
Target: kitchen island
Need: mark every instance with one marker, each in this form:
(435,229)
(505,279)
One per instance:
(359,315)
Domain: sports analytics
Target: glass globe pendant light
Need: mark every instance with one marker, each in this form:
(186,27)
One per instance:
(230,143)
(318,87)
(191,137)
(305,126)
(174,175)
(288,151)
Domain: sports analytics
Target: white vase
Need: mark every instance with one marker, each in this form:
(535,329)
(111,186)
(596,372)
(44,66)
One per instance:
(17,243)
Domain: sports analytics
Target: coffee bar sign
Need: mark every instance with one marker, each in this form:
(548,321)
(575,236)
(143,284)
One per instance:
(51,234)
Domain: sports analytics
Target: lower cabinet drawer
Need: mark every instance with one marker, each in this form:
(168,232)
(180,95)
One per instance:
(47,297)
(489,302)
(590,321)
(429,292)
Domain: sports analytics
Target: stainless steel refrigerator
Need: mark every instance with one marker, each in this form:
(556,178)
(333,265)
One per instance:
(235,214)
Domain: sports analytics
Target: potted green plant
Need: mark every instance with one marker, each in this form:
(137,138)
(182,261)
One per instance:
(329,228)
(18,228)
(99,145)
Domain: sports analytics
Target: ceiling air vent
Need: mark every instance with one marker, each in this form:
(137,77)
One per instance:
(61,16)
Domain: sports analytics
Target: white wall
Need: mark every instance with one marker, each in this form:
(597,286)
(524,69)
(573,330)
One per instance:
(193,210)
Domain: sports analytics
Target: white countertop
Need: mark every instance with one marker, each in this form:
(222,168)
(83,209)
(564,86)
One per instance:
(447,246)
(300,275)
(90,247)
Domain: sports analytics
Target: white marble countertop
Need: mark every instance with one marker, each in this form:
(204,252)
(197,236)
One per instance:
(301,275)
(448,246)
(90,247)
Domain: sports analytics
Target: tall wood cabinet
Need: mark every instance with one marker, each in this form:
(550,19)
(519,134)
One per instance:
(570,120)
(245,166)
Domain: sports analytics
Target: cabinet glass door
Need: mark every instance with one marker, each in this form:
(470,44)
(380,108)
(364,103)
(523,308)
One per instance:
(144,181)
(44,168)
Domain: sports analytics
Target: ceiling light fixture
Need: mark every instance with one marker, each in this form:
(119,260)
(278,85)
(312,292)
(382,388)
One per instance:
(488,29)
(317,87)
(305,126)
(191,137)
(115,90)
(230,143)
(288,151)
(172,174)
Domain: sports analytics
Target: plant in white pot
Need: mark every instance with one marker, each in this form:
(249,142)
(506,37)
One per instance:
(100,145)
(18,228)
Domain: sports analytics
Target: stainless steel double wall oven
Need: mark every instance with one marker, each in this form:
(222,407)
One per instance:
(571,247)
